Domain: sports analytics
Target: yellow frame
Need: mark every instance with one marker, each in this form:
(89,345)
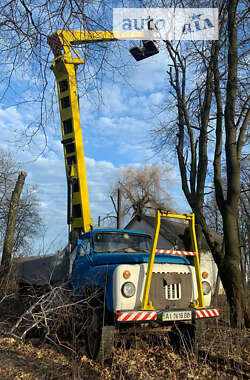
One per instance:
(190,218)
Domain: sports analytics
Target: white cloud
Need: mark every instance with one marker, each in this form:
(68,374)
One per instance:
(114,101)
(156,98)
(149,75)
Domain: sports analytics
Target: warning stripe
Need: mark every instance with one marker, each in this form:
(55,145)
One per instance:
(172,252)
(206,313)
(215,312)
(128,316)
(137,316)
(146,316)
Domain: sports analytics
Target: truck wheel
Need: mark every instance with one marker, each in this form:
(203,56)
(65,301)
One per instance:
(99,335)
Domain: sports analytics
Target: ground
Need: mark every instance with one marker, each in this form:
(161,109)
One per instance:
(225,355)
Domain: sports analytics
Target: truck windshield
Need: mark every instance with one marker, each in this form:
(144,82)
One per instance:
(121,242)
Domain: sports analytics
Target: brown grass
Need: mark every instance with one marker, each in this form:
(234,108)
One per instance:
(225,354)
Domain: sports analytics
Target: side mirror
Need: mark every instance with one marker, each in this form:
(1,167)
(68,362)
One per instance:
(149,48)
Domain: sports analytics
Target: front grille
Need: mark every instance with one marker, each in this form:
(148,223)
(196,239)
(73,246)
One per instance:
(171,290)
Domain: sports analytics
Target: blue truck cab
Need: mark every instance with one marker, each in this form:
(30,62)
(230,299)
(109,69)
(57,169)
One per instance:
(114,261)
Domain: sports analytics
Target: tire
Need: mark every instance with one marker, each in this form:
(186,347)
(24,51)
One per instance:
(99,335)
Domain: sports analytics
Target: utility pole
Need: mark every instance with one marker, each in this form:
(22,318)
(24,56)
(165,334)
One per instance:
(119,208)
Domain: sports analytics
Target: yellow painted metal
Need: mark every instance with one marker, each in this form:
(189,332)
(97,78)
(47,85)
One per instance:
(64,67)
(71,129)
(145,304)
(79,37)
(190,218)
(73,172)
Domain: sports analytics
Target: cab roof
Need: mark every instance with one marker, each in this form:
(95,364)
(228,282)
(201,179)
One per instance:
(101,229)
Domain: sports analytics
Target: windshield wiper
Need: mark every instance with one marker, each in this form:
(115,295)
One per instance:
(124,249)
(131,250)
(142,250)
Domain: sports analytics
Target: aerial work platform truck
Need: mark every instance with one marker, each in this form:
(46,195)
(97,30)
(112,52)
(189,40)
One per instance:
(127,280)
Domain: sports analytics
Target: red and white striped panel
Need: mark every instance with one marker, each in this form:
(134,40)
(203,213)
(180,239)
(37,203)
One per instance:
(207,313)
(128,316)
(171,252)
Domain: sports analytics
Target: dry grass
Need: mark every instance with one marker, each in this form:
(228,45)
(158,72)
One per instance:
(137,356)
(57,354)
(226,357)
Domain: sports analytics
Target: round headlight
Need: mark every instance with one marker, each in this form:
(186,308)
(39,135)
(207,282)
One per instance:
(128,289)
(206,288)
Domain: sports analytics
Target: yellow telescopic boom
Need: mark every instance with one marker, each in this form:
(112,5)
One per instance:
(64,67)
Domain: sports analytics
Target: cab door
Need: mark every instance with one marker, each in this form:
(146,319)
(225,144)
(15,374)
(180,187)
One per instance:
(81,265)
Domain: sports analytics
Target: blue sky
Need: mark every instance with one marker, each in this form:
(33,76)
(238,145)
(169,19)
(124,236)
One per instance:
(116,134)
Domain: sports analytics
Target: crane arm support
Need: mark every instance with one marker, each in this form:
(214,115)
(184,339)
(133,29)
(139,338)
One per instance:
(65,74)
(63,39)
(64,67)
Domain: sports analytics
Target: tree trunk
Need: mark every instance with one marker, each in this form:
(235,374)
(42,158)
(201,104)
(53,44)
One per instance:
(11,224)
(230,273)
(215,294)
(231,279)
(228,264)
(199,236)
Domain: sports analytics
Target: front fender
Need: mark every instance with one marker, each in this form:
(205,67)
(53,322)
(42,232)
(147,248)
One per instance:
(97,278)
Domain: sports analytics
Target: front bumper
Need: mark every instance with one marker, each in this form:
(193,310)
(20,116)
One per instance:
(190,314)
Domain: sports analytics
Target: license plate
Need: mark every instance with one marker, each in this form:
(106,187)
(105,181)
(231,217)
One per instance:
(176,315)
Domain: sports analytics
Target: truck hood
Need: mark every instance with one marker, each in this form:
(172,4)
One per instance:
(133,258)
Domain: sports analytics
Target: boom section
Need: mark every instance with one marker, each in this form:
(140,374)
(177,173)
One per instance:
(64,67)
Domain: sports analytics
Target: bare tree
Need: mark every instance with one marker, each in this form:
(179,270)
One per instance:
(11,224)
(244,222)
(212,214)
(142,190)
(215,222)
(28,220)
(24,53)
(212,107)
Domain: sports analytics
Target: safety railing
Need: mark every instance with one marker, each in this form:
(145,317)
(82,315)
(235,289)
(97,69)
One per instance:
(190,219)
